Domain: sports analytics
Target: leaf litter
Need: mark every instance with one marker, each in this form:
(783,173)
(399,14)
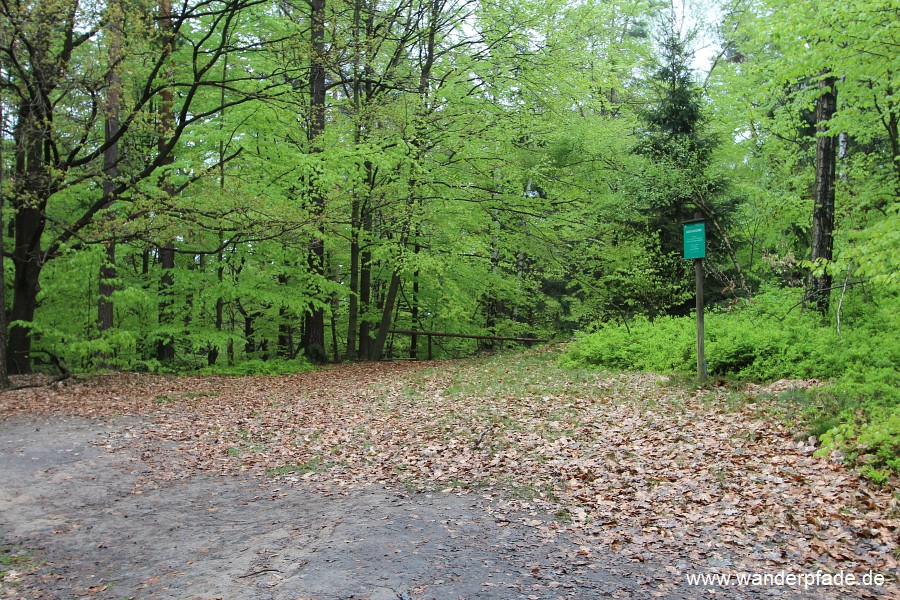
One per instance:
(628,462)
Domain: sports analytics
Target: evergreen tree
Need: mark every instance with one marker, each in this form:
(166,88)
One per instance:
(678,182)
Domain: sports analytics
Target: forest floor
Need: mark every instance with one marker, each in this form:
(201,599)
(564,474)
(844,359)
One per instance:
(504,477)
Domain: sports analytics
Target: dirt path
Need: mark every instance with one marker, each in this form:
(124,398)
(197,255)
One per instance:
(98,524)
(541,484)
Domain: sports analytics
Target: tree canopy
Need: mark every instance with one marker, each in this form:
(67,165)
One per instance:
(205,183)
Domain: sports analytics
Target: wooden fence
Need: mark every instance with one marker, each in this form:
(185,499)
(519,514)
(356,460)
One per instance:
(528,341)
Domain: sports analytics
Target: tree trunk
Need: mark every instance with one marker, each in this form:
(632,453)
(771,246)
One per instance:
(105,308)
(819,286)
(414,309)
(353,307)
(285,330)
(165,348)
(314,324)
(365,291)
(377,350)
(30,192)
(249,343)
(213,354)
(25,290)
(34,177)
(229,349)
(335,306)
(417,143)
(4,375)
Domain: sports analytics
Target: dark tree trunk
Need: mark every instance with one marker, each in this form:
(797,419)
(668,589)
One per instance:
(364,32)
(249,343)
(25,289)
(353,307)
(365,290)
(285,336)
(34,177)
(377,350)
(26,286)
(314,321)
(30,192)
(335,307)
(314,324)
(414,309)
(818,290)
(105,308)
(27,260)
(4,374)
(285,329)
(165,347)
(213,355)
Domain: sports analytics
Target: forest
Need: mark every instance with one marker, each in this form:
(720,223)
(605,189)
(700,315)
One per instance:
(256,186)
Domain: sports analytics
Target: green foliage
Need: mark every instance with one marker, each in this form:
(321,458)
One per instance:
(777,53)
(665,344)
(260,367)
(873,443)
(764,339)
(529,180)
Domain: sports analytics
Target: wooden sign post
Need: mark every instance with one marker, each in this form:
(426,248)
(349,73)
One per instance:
(695,249)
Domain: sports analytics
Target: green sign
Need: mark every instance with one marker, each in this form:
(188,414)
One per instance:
(695,240)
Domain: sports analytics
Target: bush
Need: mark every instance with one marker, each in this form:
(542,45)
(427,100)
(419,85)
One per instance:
(666,344)
(260,367)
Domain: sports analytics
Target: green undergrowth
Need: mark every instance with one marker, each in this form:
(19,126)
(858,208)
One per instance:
(857,407)
(118,350)
(259,367)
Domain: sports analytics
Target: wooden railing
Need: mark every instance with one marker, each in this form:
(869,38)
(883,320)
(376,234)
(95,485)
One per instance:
(528,341)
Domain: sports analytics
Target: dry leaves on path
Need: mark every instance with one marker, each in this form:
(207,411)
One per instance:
(652,471)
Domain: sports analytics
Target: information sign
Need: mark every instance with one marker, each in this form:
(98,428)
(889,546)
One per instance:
(695,240)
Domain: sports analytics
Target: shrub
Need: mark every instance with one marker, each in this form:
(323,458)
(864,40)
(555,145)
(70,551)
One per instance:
(260,367)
